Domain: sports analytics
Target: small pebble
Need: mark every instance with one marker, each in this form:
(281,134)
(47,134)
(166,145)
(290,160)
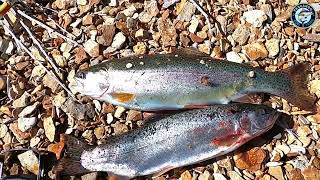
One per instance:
(30,161)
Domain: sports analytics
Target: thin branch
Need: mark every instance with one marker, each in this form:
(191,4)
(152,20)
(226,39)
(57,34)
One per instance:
(196,4)
(37,61)
(61,28)
(36,42)
(43,25)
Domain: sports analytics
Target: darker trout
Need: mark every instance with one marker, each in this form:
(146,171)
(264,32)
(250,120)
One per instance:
(176,140)
(186,79)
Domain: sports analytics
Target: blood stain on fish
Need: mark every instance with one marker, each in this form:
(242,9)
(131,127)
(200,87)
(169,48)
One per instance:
(228,139)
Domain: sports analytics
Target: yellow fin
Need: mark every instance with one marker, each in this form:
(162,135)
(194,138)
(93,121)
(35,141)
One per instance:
(123,97)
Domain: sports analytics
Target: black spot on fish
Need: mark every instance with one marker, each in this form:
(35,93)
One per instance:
(205,80)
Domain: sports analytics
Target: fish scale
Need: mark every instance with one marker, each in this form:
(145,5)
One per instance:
(176,140)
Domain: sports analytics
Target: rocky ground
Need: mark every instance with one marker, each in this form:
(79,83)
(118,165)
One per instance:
(35,110)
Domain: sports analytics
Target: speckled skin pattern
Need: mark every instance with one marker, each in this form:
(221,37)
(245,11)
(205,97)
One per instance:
(180,139)
(176,81)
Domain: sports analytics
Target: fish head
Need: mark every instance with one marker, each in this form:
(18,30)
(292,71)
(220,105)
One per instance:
(260,120)
(91,83)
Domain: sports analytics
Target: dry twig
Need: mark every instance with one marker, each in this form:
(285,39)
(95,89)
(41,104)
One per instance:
(37,61)
(35,41)
(43,25)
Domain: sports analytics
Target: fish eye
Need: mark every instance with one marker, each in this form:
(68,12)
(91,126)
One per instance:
(81,75)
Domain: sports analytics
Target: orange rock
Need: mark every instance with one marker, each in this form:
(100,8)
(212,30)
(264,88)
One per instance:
(19,134)
(255,51)
(295,174)
(276,172)
(57,148)
(250,160)
(301,31)
(311,173)
(316,162)
(289,31)
(80,55)
(216,52)
(195,38)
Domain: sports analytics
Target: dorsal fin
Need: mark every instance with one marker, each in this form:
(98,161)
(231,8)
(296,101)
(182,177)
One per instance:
(190,51)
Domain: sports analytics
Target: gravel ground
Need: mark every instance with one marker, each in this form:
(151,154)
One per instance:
(35,110)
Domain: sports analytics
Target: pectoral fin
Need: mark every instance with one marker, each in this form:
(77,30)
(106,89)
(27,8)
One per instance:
(123,97)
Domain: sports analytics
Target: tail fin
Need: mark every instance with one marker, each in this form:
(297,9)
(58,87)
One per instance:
(70,164)
(299,94)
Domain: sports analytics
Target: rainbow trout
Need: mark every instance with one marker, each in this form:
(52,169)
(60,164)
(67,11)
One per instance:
(187,79)
(176,140)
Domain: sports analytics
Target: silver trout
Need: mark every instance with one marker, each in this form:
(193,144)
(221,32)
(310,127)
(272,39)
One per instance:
(177,140)
(187,79)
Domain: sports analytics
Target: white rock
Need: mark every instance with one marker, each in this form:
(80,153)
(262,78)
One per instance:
(3,130)
(297,149)
(82,2)
(22,101)
(38,71)
(119,111)
(30,161)
(59,99)
(34,141)
(129,11)
(90,176)
(273,164)
(234,57)
(108,20)
(272,46)
(284,148)
(60,60)
(194,24)
(92,48)
(187,12)
(66,47)
(7,139)
(113,3)
(109,118)
(296,46)
(118,40)
(49,128)
(292,2)
(218,176)
(87,134)
(150,10)
(255,17)
(76,23)
(25,124)
(205,176)
(97,105)
(29,109)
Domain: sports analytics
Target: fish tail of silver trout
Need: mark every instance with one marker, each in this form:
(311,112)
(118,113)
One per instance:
(299,94)
(70,164)
(290,84)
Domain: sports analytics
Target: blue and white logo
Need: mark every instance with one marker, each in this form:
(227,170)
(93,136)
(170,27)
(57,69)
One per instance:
(303,15)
